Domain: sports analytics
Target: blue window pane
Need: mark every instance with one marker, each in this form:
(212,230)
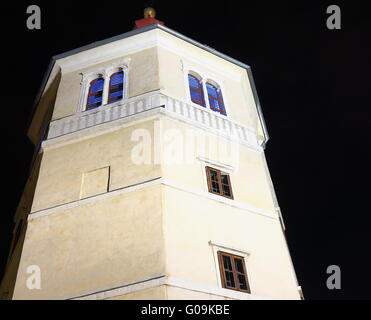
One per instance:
(212,91)
(116,87)
(94,100)
(95,93)
(215,104)
(115,94)
(193,82)
(195,95)
(117,79)
(97,85)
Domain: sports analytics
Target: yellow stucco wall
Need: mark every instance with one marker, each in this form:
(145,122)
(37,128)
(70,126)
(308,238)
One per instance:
(93,247)
(191,221)
(249,179)
(143,77)
(180,56)
(62,169)
(178,217)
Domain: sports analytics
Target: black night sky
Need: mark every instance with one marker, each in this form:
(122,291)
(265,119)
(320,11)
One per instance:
(313,84)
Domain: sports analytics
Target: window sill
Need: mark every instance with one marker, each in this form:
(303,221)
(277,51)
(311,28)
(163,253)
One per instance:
(104,106)
(216,113)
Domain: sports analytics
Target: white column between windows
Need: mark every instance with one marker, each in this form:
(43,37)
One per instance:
(105,89)
(83,94)
(206,95)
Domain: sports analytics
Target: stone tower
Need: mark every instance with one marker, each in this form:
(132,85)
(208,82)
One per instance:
(149,179)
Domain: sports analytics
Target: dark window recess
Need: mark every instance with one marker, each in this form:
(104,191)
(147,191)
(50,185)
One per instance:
(233,272)
(219,182)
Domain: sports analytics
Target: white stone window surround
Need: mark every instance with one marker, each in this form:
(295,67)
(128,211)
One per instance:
(218,246)
(106,72)
(205,77)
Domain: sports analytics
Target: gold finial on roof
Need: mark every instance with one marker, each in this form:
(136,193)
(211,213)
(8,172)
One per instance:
(149,12)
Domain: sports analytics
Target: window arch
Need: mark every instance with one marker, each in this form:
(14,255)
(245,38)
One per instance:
(196,90)
(215,98)
(116,87)
(95,94)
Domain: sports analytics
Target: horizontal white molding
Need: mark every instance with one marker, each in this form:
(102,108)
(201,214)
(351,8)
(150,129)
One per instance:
(146,184)
(104,128)
(93,199)
(111,117)
(142,41)
(125,289)
(103,114)
(211,196)
(194,57)
(211,120)
(109,51)
(213,290)
(172,282)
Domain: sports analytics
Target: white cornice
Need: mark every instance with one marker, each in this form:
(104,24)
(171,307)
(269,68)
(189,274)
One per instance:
(140,42)
(145,184)
(196,58)
(93,199)
(234,203)
(120,48)
(172,282)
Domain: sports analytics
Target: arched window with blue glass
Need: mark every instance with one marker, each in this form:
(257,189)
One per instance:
(215,98)
(95,94)
(196,90)
(116,87)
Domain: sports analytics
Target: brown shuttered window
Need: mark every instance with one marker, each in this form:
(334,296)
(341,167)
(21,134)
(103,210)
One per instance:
(219,182)
(233,272)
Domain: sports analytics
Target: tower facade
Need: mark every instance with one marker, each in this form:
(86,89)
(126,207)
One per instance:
(149,180)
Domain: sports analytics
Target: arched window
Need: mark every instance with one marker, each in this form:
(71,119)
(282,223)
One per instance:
(195,88)
(116,87)
(95,93)
(215,98)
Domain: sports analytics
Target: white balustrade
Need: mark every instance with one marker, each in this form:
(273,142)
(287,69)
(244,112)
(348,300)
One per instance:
(189,111)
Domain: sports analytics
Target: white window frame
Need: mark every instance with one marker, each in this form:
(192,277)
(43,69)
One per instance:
(105,72)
